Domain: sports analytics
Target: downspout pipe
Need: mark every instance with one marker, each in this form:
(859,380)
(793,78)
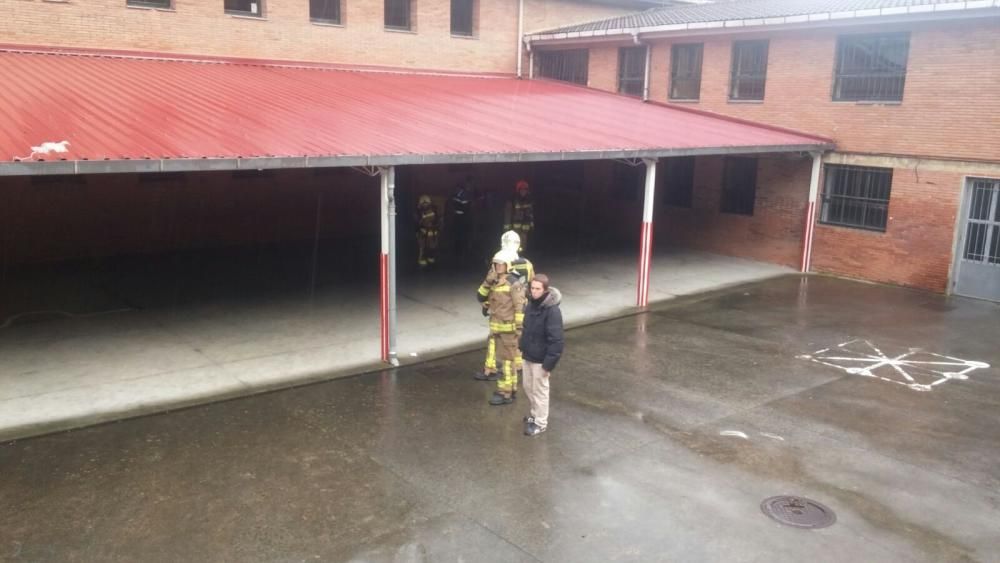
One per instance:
(531,59)
(520,36)
(645,77)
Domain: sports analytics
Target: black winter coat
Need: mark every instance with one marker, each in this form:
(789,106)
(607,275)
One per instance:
(542,338)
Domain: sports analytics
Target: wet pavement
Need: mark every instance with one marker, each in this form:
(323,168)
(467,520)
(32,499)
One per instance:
(668,429)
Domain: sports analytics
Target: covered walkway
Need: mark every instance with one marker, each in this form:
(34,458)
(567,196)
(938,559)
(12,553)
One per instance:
(114,115)
(119,349)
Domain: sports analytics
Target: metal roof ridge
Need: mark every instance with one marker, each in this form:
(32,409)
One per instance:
(236,61)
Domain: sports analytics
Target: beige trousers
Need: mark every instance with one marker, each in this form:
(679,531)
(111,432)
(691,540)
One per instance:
(536,386)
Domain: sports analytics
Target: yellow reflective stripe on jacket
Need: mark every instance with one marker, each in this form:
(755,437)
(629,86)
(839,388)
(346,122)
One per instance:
(484,291)
(502,327)
(502,288)
(518,318)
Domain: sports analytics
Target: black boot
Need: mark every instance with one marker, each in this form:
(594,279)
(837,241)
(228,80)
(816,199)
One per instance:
(483,376)
(499,399)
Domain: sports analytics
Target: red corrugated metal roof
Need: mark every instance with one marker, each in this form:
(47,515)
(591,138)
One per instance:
(124,107)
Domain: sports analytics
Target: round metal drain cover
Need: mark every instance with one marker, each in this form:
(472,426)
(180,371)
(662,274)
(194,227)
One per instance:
(798,511)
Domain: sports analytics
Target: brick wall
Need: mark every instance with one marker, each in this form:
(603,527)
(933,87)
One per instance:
(948,111)
(285,32)
(772,234)
(540,15)
(915,249)
(104,215)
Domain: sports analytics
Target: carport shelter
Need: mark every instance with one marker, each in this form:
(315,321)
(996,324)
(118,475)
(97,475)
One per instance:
(84,112)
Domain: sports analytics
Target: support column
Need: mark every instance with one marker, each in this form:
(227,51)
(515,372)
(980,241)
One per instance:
(810,225)
(387,265)
(646,239)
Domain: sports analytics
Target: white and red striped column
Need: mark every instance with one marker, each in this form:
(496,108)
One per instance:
(646,238)
(387,266)
(810,226)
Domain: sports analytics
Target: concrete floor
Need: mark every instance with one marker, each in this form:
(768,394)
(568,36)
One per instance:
(80,347)
(413,465)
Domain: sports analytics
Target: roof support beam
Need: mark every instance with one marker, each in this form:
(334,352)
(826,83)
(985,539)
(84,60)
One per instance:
(810,224)
(387,265)
(646,237)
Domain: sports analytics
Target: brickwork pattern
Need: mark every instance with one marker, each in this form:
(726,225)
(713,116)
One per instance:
(772,234)
(946,113)
(916,248)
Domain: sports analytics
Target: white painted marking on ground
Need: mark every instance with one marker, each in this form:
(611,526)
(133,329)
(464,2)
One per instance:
(734,433)
(772,436)
(916,369)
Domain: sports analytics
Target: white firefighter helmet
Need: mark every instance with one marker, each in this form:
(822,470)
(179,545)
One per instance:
(505,257)
(511,241)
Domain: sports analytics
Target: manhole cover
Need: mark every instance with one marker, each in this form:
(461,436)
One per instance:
(798,511)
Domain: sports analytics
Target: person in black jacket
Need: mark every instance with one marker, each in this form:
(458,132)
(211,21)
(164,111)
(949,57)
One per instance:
(541,346)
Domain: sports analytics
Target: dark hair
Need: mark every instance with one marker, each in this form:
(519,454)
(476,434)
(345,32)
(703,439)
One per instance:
(542,279)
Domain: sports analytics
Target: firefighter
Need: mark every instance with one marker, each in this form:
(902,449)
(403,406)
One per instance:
(524,270)
(519,215)
(460,216)
(428,229)
(505,306)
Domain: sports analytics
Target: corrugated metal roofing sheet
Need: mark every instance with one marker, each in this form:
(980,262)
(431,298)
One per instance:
(116,108)
(748,9)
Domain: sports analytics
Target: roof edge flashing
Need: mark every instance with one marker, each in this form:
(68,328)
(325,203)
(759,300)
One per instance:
(936,12)
(74,167)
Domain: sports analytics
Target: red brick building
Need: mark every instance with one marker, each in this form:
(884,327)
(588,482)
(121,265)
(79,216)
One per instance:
(907,90)
(904,91)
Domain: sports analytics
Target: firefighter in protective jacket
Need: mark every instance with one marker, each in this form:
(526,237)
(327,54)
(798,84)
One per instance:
(505,306)
(524,270)
(519,215)
(428,231)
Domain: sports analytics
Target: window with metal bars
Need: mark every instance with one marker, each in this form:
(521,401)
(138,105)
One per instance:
(856,196)
(739,185)
(568,66)
(162,4)
(677,175)
(253,8)
(982,231)
(871,68)
(397,14)
(685,71)
(749,70)
(324,11)
(631,70)
(463,17)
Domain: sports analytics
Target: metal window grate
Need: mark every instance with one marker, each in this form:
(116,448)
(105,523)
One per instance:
(739,185)
(253,8)
(462,17)
(678,179)
(568,66)
(856,196)
(631,70)
(871,67)
(685,71)
(397,14)
(326,11)
(982,235)
(749,70)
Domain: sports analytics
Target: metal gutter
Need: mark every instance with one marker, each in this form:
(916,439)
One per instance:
(71,167)
(949,10)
